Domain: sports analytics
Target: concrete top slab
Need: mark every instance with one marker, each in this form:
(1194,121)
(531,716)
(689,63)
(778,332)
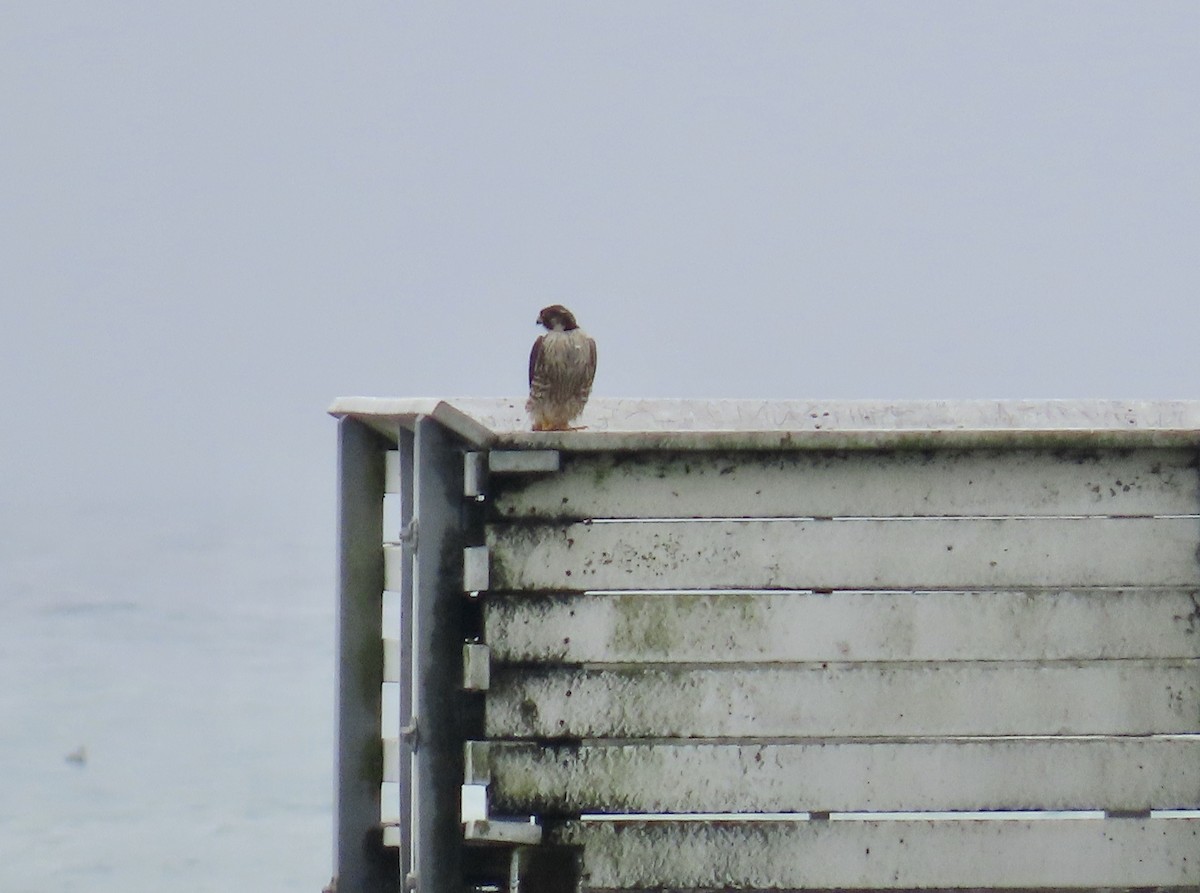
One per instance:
(640,423)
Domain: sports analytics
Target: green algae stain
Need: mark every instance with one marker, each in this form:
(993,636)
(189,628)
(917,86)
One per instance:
(690,627)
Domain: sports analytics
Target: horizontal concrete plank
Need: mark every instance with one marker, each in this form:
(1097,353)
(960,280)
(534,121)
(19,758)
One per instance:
(1115,774)
(1068,853)
(1063,698)
(653,484)
(847,554)
(804,626)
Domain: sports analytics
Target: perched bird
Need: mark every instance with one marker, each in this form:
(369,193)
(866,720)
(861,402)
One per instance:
(562,365)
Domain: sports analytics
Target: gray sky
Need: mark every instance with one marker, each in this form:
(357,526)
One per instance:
(218,216)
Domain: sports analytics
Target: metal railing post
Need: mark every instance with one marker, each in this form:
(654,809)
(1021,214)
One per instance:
(408,739)
(439,700)
(361,862)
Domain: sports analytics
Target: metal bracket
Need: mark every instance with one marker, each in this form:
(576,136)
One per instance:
(476,569)
(523,461)
(411,733)
(477,667)
(477,760)
(408,535)
(507,832)
(475,468)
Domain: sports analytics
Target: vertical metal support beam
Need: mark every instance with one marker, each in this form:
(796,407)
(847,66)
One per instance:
(407,684)
(440,703)
(361,863)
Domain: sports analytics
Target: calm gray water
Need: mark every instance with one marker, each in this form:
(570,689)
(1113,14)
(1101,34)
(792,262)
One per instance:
(196,669)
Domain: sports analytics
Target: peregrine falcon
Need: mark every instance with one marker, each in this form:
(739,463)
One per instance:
(562,365)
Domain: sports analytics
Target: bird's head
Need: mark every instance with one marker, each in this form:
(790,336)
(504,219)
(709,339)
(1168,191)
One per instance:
(556,317)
